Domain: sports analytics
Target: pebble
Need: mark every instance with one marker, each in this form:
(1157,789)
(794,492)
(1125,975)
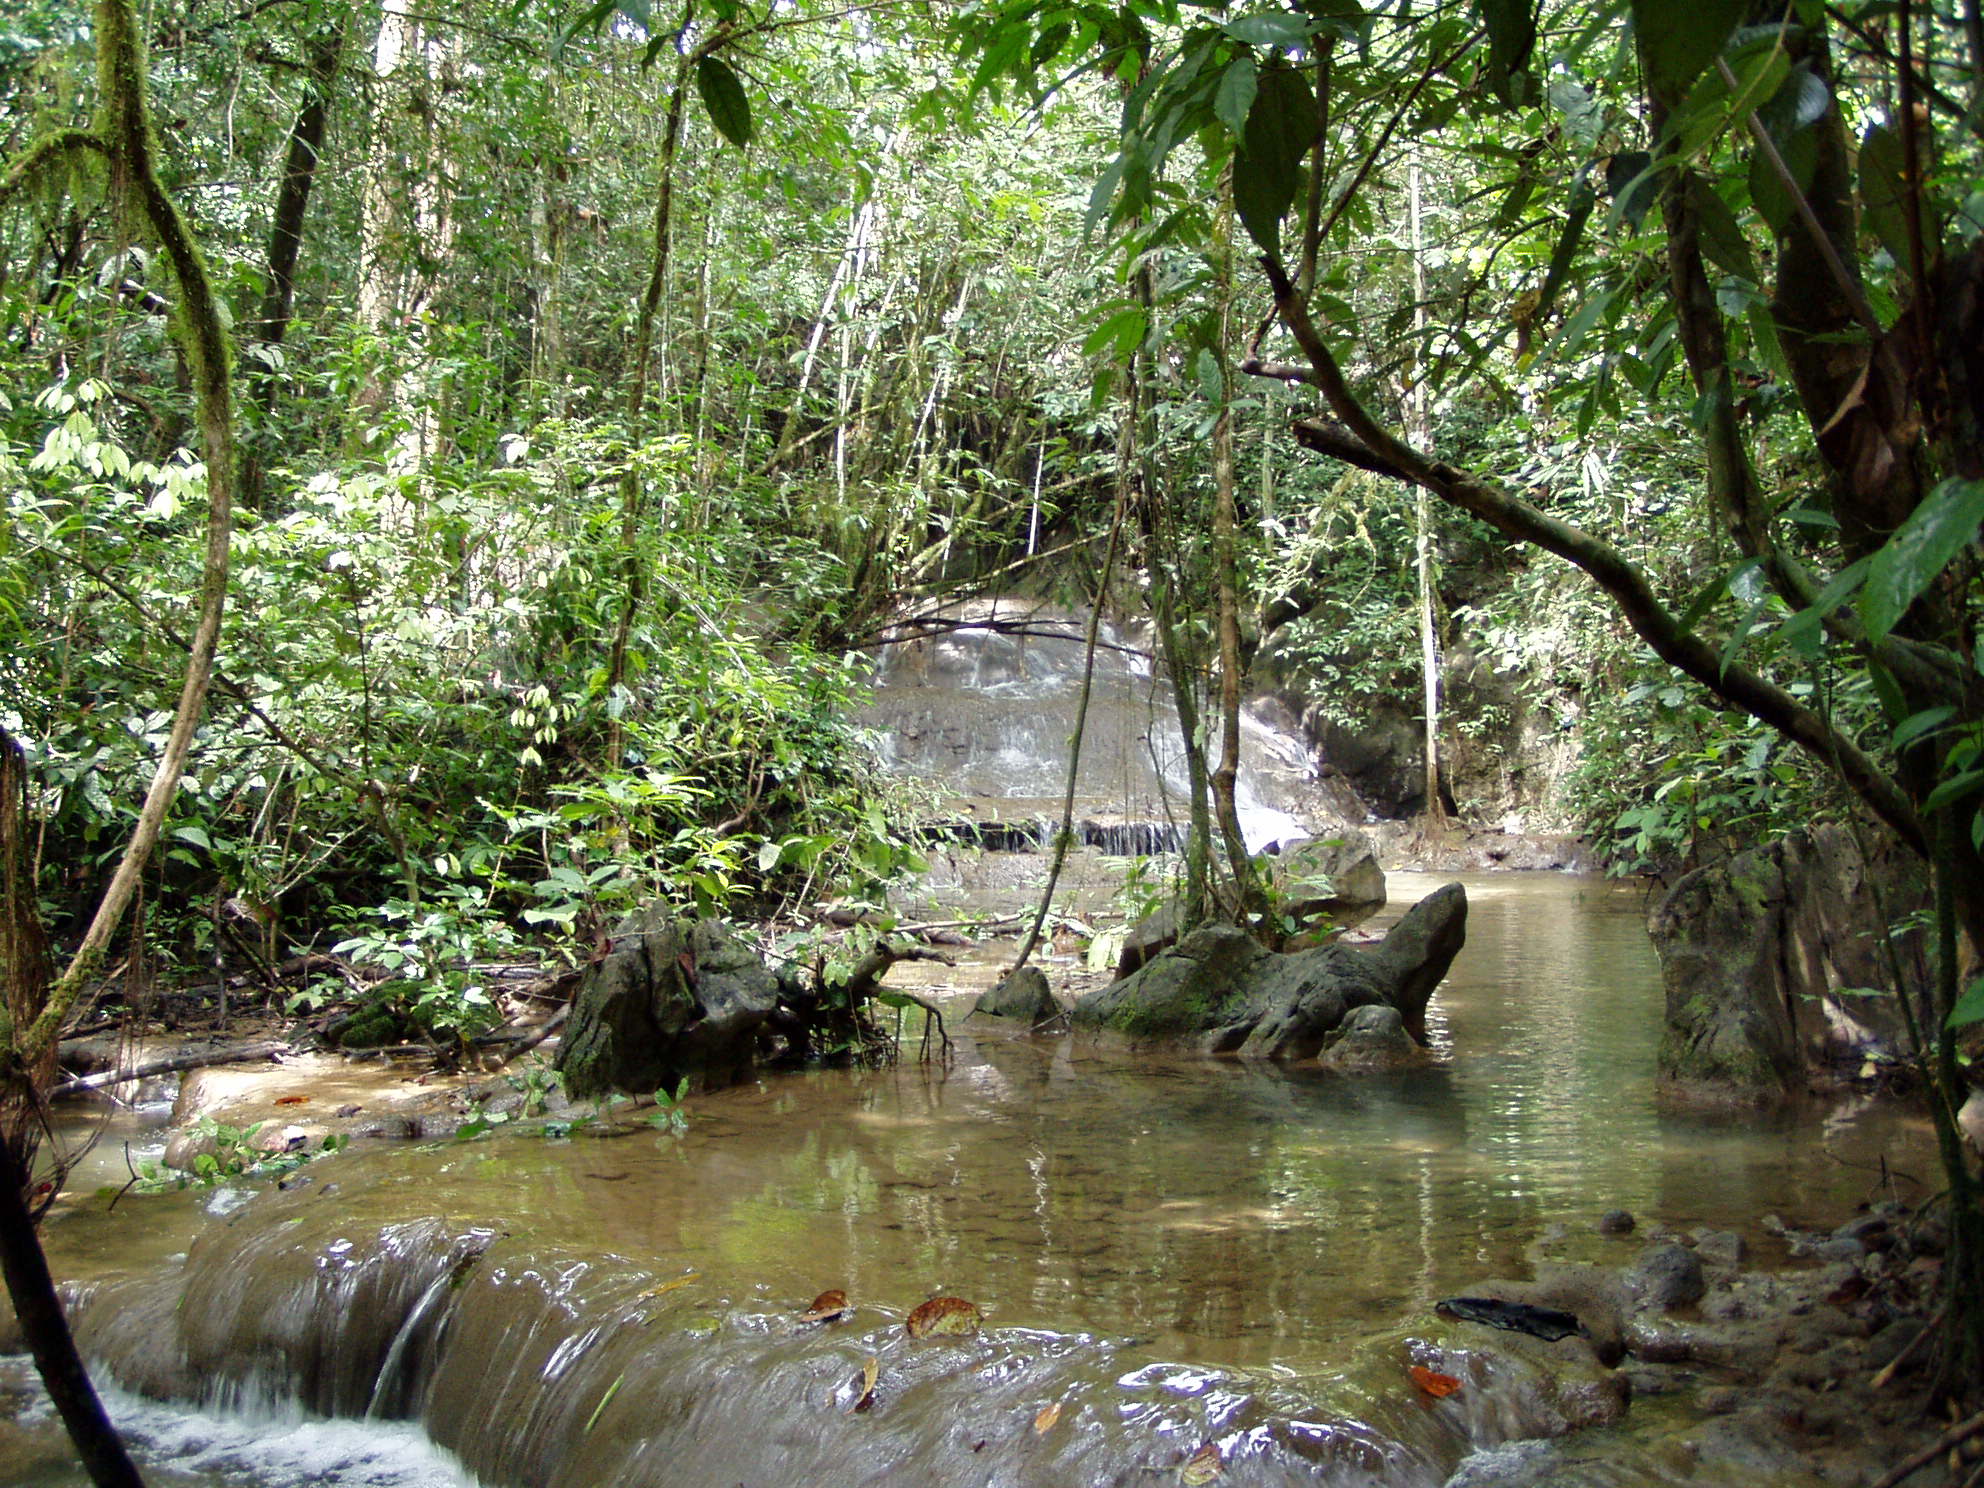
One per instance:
(1615,1222)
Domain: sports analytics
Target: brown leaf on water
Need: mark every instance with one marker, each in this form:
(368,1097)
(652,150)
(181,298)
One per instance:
(870,1372)
(1438,1385)
(665,1287)
(825,1307)
(1202,1466)
(1044,1422)
(944,1317)
(292,1100)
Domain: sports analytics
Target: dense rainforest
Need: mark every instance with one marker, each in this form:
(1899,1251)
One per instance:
(461,466)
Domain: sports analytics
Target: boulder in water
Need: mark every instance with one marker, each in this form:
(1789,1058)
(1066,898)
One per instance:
(1221,990)
(673,999)
(1020,994)
(1333,880)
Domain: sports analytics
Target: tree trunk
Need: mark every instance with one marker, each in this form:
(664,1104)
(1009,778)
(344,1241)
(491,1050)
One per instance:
(1419,429)
(1247,897)
(46,1327)
(28,1034)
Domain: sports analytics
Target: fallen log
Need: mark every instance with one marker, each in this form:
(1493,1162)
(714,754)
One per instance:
(170,1064)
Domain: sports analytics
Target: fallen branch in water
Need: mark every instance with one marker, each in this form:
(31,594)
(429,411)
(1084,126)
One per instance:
(507,1049)
(172,1064)
(1956,1436)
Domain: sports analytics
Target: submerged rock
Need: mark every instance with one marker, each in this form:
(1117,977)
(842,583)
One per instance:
(672,1000)
(1221,990)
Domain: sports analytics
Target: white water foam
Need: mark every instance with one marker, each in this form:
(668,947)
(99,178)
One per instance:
(271,1447)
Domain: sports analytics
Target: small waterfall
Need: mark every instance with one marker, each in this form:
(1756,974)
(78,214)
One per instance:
(985,706)
(542,1366)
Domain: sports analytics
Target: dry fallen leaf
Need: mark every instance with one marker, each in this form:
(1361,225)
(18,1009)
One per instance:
(825,1308)
(870,1372)
(1433,1382)
(666,1286)
(1202,1466)
(1044,1422)
(944,1317)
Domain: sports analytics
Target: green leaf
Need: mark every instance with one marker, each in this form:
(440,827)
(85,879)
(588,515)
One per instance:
(1721,239)
(195,836)
(1969,1007)
(1511,38)
(723,97)
(1920,549)
(1884,195)
(1925,722)
(1268,166)
(1802,631)
(1773,203)
(1121,334)
(1235,96)
(1676,40)
(1956,788)
(1271,28)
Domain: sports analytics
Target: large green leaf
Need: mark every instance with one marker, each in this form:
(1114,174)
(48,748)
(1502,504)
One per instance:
(1267,169)
(1511,37)
(1271,28)
(723,96)
(1237,86)
(1921,548)
(1677,39)
(1969,1007)
(1721,239)
(1884,194)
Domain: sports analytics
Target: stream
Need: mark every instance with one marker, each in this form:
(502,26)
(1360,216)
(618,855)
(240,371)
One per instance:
(1170,1253)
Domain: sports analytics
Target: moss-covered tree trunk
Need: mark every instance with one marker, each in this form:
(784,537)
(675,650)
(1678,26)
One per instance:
(30,1019)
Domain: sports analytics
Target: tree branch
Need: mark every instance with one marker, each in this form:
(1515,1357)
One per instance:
(1628,587)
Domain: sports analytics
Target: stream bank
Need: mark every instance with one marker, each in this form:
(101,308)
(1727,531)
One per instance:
(1207,1231)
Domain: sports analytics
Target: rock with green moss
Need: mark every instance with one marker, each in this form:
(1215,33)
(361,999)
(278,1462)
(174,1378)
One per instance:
(1220,991)
(1777,964)
(673,999)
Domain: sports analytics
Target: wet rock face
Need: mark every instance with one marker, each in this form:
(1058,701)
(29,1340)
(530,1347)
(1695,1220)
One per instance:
(1023,995)
(1334,879)
(1220,990)
(1765,959)
(672,1000)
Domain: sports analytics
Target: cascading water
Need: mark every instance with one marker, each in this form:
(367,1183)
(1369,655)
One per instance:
(984,705)
(1172,1253)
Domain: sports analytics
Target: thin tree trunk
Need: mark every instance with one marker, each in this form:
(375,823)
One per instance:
(1226,564)
(633,573)
(124,133)
(46,1328)
(1419,429)
(1065,836)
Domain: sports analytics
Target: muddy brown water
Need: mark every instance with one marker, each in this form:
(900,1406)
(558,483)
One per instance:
(1173,1251)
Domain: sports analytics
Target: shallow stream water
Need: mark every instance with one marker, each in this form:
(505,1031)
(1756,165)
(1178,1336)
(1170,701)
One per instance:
(1179,1250)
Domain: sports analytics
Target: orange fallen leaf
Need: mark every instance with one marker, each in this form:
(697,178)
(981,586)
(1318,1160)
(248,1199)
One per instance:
(291,1100)
(944,1317)
(870,1372)
(1202,1466)
(825,1308)
(1433,1382)
(666,1286)
(1044,1422)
